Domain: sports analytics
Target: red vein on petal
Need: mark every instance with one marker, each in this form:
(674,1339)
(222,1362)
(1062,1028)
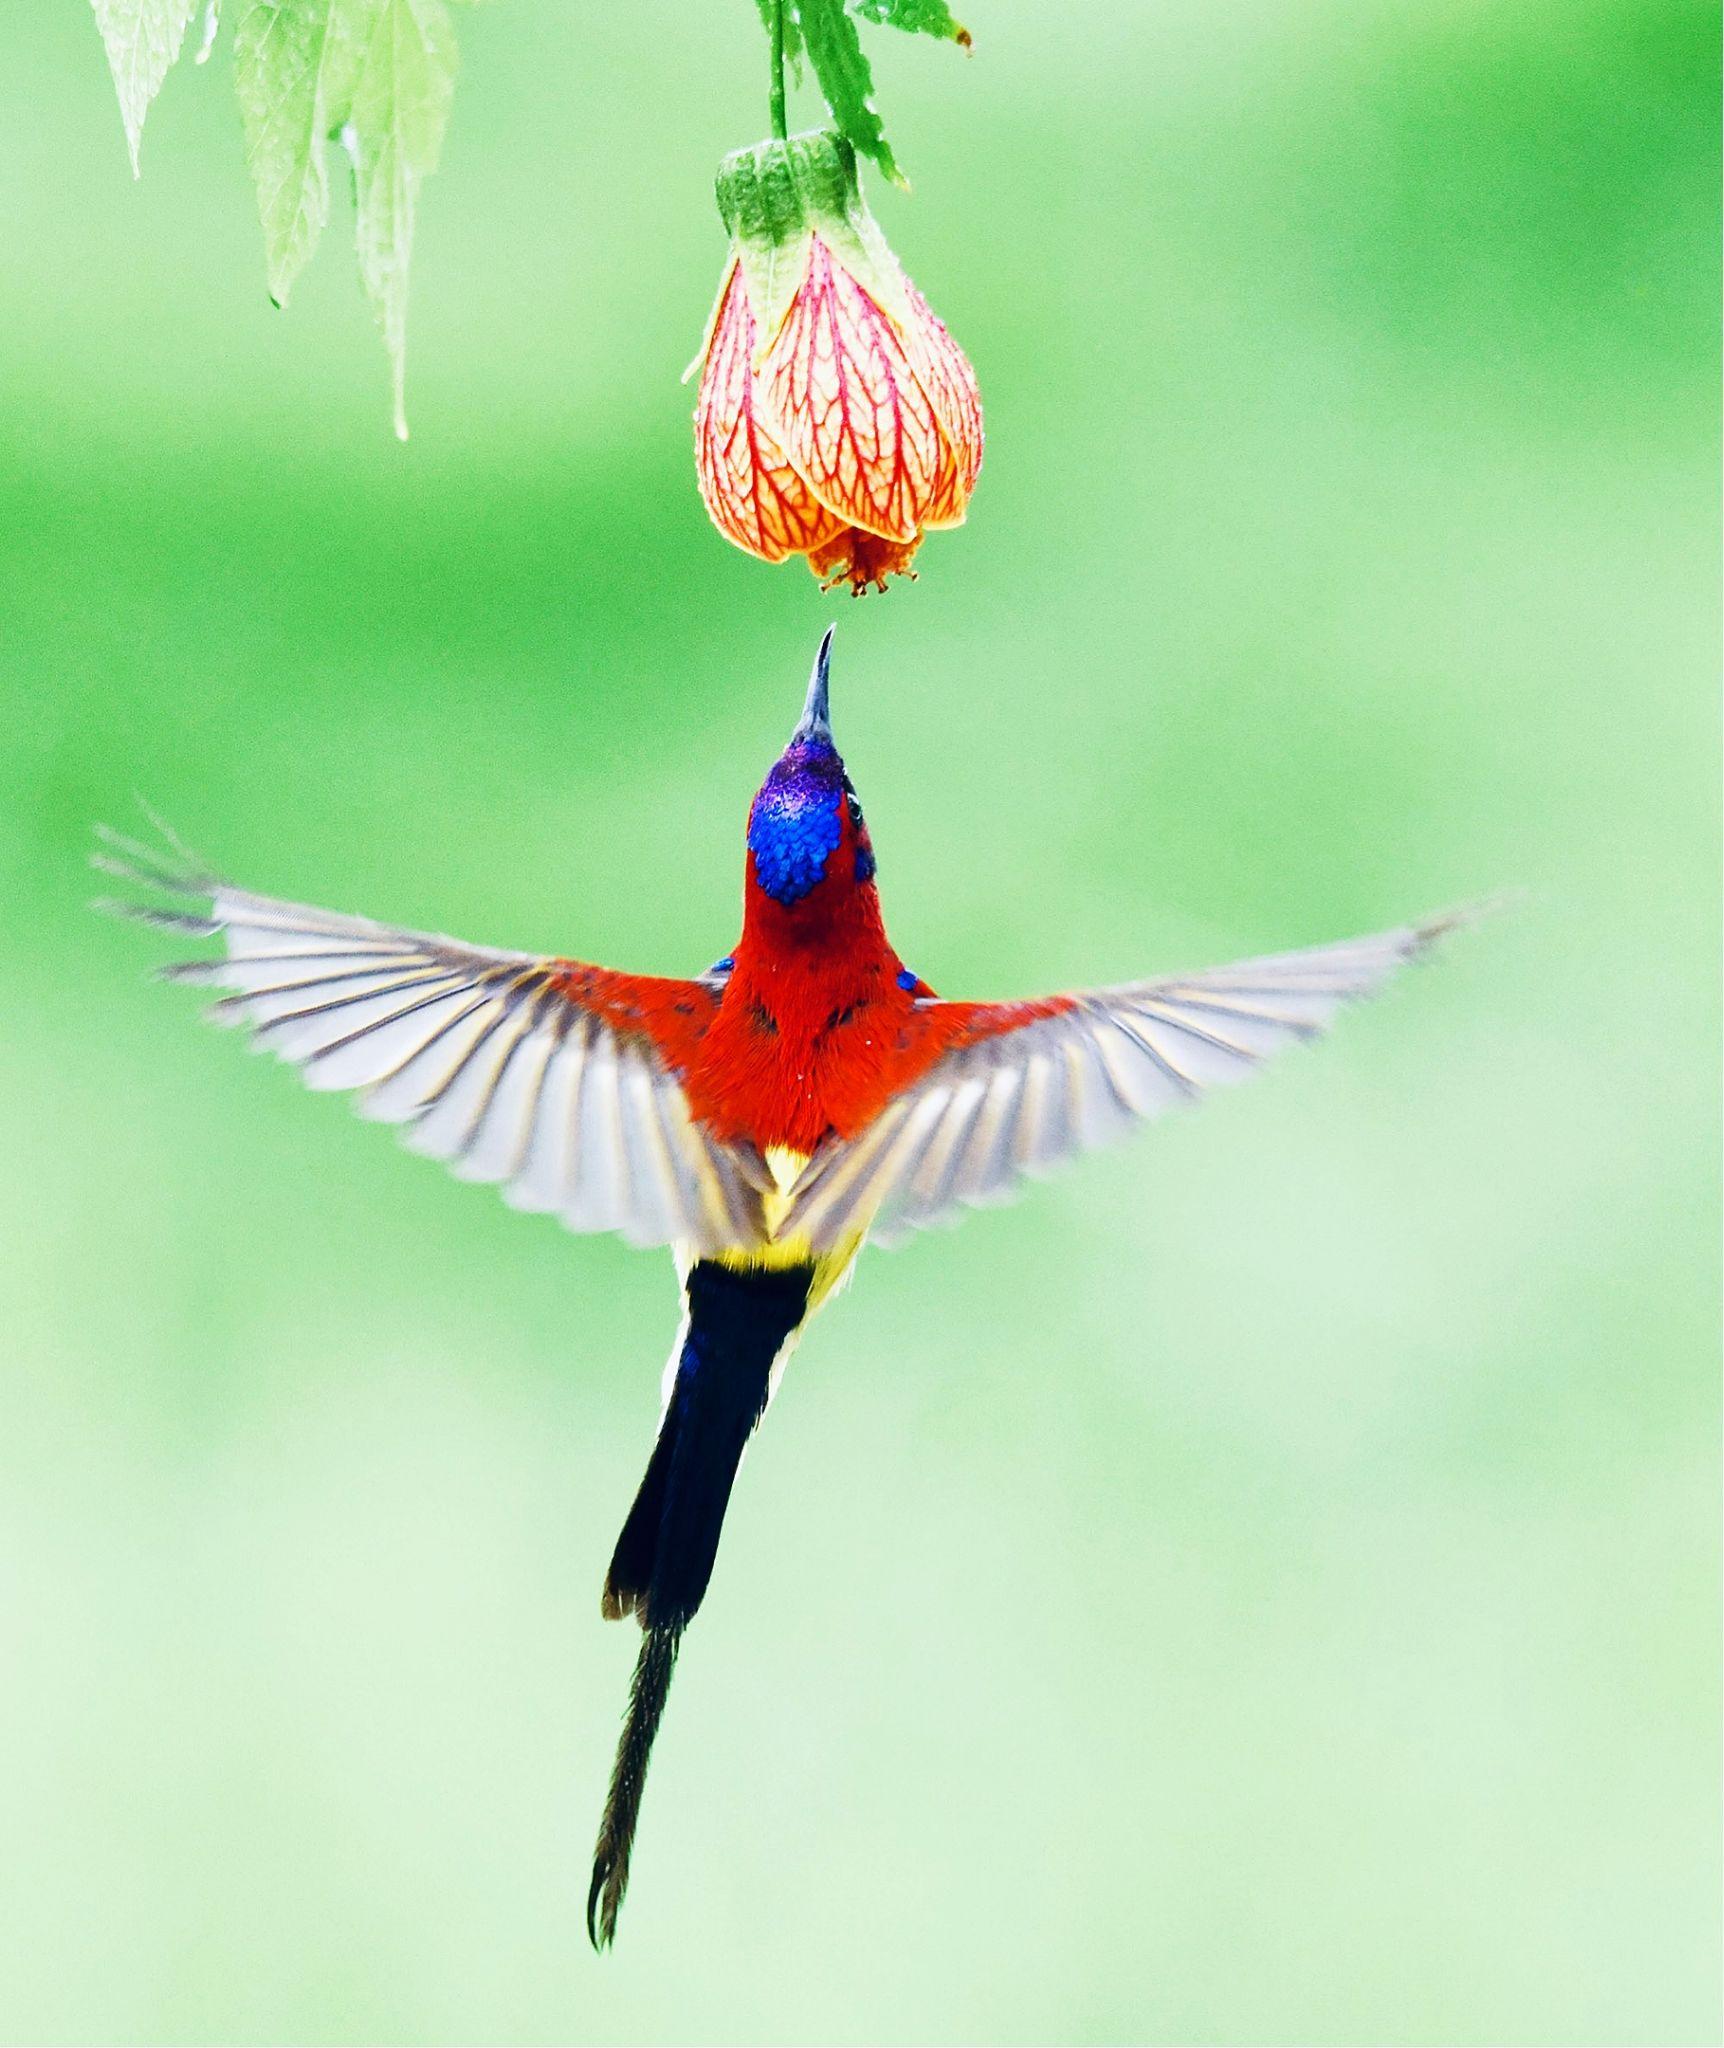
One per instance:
(751,489)
(857,424)
(952,385)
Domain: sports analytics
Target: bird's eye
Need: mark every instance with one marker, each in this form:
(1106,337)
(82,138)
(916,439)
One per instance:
(854,808)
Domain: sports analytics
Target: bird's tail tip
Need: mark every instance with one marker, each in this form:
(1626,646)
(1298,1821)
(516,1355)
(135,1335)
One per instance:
(602,1909)
(647,1692)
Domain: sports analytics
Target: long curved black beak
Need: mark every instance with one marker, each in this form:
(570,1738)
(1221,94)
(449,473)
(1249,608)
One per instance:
(816,723)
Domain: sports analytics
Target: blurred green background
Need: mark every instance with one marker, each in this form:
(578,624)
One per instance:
(1265,1586)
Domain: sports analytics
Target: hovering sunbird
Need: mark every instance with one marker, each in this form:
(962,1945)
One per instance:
(763,1119)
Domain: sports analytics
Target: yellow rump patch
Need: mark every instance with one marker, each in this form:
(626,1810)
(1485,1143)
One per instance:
(831,1268)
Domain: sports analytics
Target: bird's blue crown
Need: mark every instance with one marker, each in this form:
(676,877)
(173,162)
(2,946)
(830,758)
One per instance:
(798,819)
(797,822)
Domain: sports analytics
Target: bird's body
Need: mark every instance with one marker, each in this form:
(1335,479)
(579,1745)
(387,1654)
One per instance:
(763,1119)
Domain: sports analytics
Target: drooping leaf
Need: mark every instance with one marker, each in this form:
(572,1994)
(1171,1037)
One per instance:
(377,75)
(835,51)
(212,22)
(394,135)
(142,39)
(915,17)
(295,66)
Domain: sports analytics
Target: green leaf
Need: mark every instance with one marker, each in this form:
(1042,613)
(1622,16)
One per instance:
(142,38)
(376,74)
(915,17)
(835,51)
(400,110)
(295,66)
(212,22)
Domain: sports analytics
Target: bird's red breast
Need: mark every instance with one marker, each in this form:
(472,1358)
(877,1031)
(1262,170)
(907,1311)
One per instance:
(814,1025)
(823,1063)
(818,1026)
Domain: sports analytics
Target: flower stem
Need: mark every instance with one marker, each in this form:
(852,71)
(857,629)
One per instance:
(775,96)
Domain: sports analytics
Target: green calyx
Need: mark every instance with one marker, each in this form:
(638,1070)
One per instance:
(776,191)
(774,196)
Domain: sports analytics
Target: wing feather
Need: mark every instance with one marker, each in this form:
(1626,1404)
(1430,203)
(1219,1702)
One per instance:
(1022,1097)
(423,1077)
(493,1061)
(983,1167)
(653,1194)
(496,1143)
(540,1182)
(599,1194)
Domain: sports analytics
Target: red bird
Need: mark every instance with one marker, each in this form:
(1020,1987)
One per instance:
(762,1119)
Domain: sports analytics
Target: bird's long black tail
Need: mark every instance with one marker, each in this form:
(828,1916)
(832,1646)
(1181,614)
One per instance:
(647,1694)
(738,1321)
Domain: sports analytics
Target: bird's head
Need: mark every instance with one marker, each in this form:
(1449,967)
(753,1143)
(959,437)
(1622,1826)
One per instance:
(807,841)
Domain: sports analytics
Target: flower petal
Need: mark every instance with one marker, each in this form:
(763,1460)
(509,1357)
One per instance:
(946,374)
(754,495)
(948,502)
(843,392)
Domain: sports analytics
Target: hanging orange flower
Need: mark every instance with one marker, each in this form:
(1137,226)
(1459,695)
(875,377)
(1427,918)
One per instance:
(837,417)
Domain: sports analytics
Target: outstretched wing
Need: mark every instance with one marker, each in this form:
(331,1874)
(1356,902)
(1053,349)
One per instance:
(1018,1088)
(557,1079)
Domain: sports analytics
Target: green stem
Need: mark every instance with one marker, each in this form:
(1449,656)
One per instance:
(775,98)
